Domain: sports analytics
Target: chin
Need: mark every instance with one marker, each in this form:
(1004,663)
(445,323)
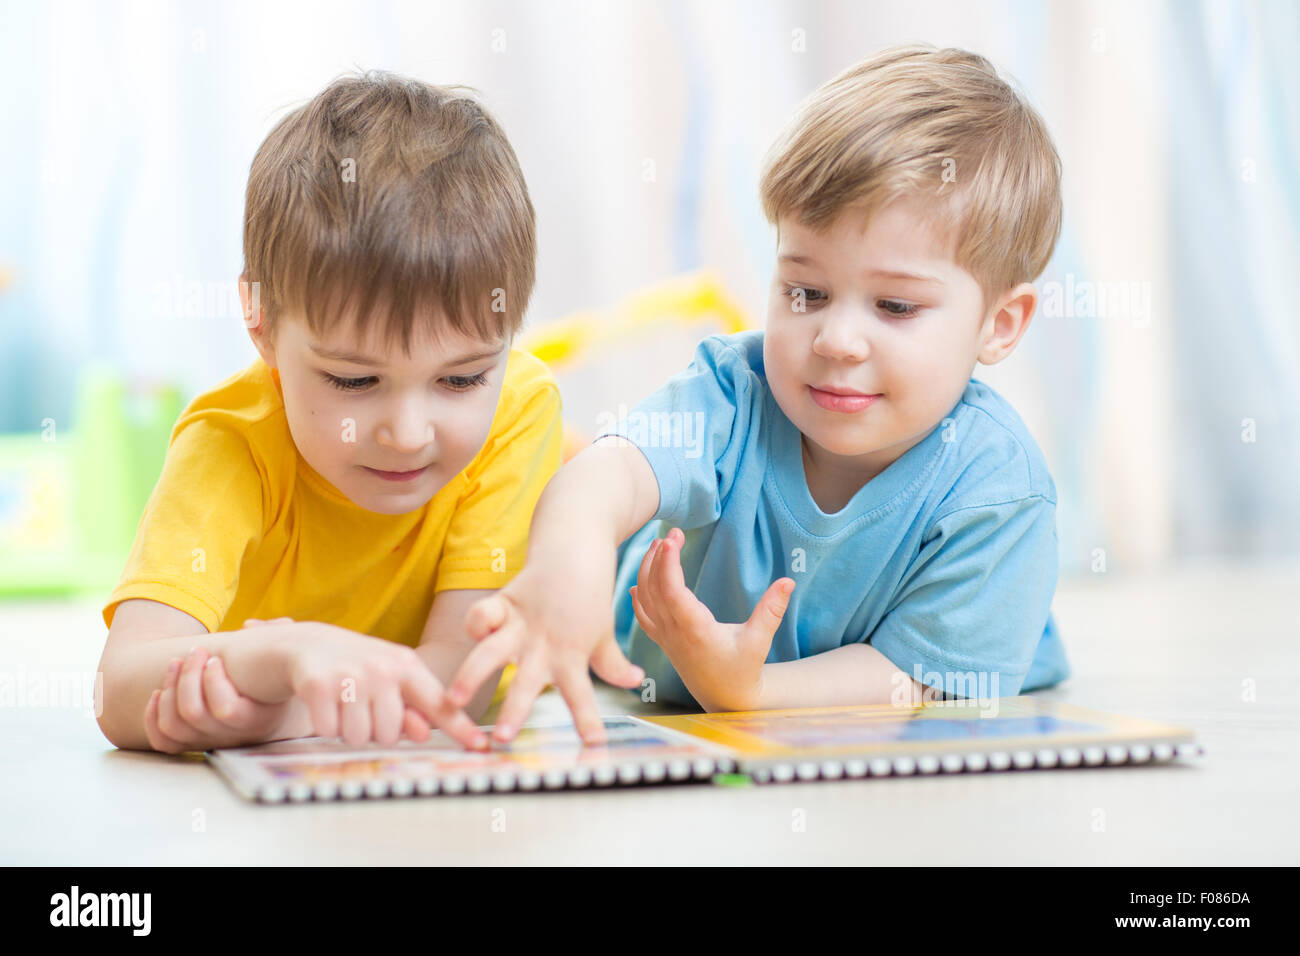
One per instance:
(398,502)
(845,442)
(395,505)
(838,446)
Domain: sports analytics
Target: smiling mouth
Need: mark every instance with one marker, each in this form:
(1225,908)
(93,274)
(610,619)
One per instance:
(837,390)
(837,399)
(398,475)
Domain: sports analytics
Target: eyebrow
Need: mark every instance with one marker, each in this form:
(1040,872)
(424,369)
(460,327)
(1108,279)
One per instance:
(913,276)
(342,355)
(882,273)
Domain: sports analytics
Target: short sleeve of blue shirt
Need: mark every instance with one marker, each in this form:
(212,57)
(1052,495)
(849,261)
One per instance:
(693,429)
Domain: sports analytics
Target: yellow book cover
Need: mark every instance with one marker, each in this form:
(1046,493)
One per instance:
(992,734)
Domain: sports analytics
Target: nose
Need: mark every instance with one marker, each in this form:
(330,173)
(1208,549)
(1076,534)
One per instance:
(842,335)
(407,429)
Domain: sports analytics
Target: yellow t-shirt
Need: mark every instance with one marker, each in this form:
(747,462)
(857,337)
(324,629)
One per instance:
(240,526)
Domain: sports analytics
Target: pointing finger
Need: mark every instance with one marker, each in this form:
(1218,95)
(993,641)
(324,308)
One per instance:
(491,654)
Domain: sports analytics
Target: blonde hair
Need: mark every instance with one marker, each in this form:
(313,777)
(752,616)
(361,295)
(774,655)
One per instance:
(389,198)
(938,126)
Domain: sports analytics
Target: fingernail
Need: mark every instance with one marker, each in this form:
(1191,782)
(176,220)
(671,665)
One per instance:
(173,666)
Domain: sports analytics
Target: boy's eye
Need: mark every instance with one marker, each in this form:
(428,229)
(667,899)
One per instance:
(894,307)
(463,383)
(349,384)
(802,293)
(459,383)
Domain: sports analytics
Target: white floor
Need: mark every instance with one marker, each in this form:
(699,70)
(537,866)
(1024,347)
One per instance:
(1214,649)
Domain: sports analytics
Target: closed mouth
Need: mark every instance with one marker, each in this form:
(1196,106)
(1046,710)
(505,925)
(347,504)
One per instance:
(839,390)
(397,475)
(842,401)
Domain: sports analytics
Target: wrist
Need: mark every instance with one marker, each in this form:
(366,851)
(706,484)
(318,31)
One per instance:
(759,696)
(296,722)
(582,566)
(729,698)
(260,660)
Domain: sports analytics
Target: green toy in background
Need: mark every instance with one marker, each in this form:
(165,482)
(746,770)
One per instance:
(70,501)
(71,497)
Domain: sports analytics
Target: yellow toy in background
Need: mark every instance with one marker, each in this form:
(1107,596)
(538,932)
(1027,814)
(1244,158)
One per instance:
(602,358)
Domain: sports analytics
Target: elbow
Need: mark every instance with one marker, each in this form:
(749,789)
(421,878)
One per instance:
(111,724)
(103,717)
(112,730)
(111,733)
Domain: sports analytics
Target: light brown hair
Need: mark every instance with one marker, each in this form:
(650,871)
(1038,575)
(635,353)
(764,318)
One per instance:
(389,199)
(938,126)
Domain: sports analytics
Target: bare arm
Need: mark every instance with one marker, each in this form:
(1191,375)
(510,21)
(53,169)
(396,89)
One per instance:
(605,493)
(445,644)
(145,635)
(852,674)
(555,616)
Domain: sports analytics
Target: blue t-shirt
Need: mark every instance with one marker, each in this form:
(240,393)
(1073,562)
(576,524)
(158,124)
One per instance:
(945,562)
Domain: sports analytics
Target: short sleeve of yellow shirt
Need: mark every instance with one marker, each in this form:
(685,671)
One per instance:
(240,526)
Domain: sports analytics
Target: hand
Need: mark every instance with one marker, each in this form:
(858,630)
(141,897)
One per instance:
(199,708)
(414,725)
(552,624)
(720,664)
(364,688)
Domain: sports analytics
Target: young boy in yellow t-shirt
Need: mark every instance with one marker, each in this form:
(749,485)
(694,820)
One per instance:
(326,516)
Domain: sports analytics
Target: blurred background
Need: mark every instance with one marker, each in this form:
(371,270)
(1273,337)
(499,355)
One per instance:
(1161,377)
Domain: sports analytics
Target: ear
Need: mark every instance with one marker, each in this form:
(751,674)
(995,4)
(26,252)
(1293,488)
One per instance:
(1006,322)
(251,302)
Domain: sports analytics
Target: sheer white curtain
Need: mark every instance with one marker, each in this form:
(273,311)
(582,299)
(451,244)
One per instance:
(640,126)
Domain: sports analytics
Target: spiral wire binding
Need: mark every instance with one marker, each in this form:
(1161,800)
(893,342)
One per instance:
(502,781)
(1043,758)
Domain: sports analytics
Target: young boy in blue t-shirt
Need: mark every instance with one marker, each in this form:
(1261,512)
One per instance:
(880,523)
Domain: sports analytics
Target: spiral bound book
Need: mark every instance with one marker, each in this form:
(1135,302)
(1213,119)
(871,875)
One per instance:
(1012,733)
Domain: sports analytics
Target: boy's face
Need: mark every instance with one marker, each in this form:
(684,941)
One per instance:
(386,429)
(886,313)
